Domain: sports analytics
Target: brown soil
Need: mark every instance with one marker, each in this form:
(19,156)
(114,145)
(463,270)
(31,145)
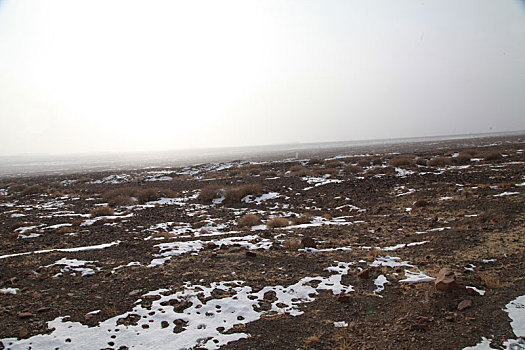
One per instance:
(457,210)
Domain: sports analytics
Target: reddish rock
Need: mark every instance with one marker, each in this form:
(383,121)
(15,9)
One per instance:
(446,280)
(364,274)
(308,242)
(464,304)
(210,245)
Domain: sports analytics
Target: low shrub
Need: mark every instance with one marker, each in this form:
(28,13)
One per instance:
(292,244)
(462,159)
(353,169)
(303,219)
(64,229)
(208,193)
(421,161)
(34,189)
(235,194)
(315,161)
(124,196)
(333,163)
(326,171)
(101,211)
(249,220)
(491,156)
(440,161)
(277,222)
(400,161)
(364,162)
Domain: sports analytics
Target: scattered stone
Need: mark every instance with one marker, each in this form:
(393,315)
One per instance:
(43,309)
(25,315)
(446,280)
(210,245)
(364,274)
(308,242)
(134,292)
(464,304)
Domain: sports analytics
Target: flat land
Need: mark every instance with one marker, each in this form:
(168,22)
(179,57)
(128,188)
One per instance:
(340,250)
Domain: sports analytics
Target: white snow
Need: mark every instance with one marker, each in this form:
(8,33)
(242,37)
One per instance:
(74,266)
(9,290)
(257,200)
(380,283)
(70,250)
(202,323)
(416,277)
(340,324)
(17,215)
(477,290)
(506,194)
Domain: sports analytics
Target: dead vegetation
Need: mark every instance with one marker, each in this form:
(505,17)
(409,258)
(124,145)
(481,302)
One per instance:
(249,220)
(125,196)
(440,161)
(277,222)
(400,161)
(101,211)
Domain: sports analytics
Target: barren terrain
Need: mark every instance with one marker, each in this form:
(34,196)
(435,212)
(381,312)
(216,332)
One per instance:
(341,250)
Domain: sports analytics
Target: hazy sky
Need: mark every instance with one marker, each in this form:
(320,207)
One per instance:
(106,75)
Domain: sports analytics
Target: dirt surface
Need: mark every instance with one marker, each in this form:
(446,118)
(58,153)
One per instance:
(169,242)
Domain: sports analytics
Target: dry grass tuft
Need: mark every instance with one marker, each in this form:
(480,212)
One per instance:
(292,244)
(278,222)
(353,169)
(440,161)
(400,161)
(208,193)
(492,156)
(333,163)
(421,161)
(314,339)
(374,253)
(249,220)
(303,219)
(315,161)
(235,194)
(462,159)
(101,211)
(64,229)
(34,189)
(491,281)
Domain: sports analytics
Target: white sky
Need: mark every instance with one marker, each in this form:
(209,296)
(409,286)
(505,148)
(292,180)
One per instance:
(78,76)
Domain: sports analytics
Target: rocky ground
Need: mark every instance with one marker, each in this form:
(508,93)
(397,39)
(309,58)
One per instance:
(406,247)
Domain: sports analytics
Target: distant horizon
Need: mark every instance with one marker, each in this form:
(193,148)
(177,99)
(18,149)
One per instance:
(196,149)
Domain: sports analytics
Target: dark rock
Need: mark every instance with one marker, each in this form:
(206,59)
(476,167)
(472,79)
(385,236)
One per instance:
(250,254)
(364,274)
(308,242)
(25,315)
(464,304)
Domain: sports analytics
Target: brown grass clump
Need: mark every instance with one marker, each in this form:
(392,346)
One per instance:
(440,161)
(491,281)
(64,230)
(491,156)
(19,224)
(101,211)
(303,219)
(400,161)
(278,222)
(292,244)
(325,171)
(34,189)
(374,253)
(421,161)
(333,163)
(462,159)
(315,161)
(364,161)
(249,220)
(353,169)
(208,193)
(314,339)
(235,194)
(381,171)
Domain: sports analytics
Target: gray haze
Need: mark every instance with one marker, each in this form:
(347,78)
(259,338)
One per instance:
(91,76)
